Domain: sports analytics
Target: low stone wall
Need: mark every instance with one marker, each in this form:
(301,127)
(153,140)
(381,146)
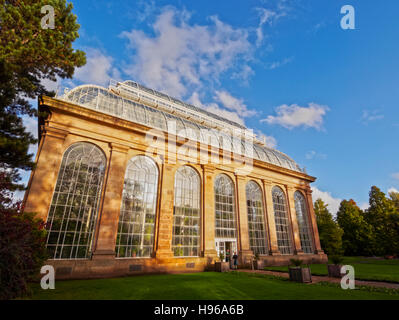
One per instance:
(111,267)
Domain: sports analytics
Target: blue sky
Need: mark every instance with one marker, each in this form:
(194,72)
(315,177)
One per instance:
(327,97)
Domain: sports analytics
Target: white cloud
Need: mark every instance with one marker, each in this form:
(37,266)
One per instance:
(296,116)
(393,190)
(277,64)
(98,69)
(182,56)
(369,116)
(265,16)
(315,155)
(232,103)
(269,16)
(395,175)
(333,203)
(364,205)
(214,108)
(270,141)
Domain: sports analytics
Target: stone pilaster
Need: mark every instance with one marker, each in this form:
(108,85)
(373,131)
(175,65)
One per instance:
(44,177)
(245,253)
(109,218)
(294,221)
(271,224)
(208,202)
(165,219)
(312,216)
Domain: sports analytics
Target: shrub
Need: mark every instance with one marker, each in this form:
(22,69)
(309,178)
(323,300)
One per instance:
(296,262)
(22,250)
(336,259)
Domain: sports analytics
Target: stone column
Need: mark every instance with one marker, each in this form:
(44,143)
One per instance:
(271,225)
(313,222)
(294,221)
(111,204)
(208,205)
(44,177)
(245,253)
(165,218)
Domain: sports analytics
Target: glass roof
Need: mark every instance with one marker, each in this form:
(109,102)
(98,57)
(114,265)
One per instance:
(103,100)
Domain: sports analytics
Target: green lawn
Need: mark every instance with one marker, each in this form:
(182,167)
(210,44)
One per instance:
(205,285)
(365,269)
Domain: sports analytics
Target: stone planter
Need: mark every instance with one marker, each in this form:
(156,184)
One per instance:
(222,266)
(259,265)
(334,270)
(299,274)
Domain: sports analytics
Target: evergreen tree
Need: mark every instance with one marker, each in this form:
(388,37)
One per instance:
(329,231)
(383,217)
(28,55)
(357,237)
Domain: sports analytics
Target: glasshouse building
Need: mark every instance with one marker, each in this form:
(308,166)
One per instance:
(130,180)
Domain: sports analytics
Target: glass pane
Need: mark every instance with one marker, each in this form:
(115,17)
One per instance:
(137,216)
(73,212)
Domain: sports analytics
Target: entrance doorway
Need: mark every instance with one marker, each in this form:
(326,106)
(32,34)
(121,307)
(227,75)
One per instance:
(227,247)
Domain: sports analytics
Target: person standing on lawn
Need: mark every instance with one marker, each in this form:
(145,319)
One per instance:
(235,259)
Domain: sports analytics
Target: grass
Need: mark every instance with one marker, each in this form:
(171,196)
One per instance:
(200,286)
(365,269)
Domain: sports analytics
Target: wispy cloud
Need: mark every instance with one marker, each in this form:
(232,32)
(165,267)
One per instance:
(181,57)
(395,175)
(370,116)
(292,116)
(333,203)
(310,155)
(98,70)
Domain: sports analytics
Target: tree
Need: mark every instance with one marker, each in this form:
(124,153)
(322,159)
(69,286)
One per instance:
(329,231)
(357,238)
(29,55)
(394,196)
(383,216)
(22,246)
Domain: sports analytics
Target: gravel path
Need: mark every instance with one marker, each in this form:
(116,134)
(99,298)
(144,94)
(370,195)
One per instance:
(316,279)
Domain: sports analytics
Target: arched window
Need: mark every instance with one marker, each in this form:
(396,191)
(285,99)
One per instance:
(282,222)
(256,221)
(225,221)
(186,213)
(73,212)
(302,215)
(137,217)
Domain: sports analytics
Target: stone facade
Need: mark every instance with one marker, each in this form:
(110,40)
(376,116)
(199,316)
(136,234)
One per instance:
(120,140)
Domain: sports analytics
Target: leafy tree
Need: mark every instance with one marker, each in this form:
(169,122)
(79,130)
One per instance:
(357,238)
(22,246)
(394,196)
(329,231)
(29,55)
(383,216)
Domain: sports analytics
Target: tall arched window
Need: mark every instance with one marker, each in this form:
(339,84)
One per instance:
(137,217)
(302,215)
(282,221)
(73,212)
(225,220)
(186,213)
(256,221)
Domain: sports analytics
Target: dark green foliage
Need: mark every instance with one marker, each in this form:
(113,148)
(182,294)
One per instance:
(358,233)
(336,259)
(296,262)
(329,231)
(22,250)
(383,217)
(28,55)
